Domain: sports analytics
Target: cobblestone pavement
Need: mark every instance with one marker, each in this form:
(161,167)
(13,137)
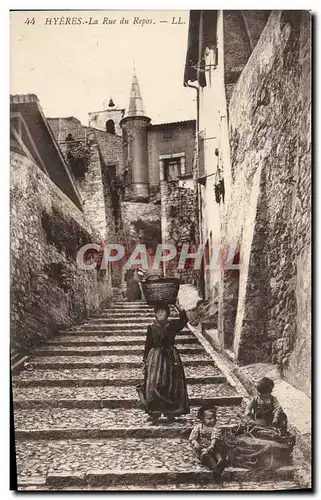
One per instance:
(65,418)
(111,392)
(129,358)
(98,373)
(115,340)
(110,349)
(65,441)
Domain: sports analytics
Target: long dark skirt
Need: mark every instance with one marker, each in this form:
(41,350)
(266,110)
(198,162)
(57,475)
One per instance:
(164,389)
(133,291)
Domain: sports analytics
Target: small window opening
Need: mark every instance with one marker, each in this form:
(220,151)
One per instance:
(110,127)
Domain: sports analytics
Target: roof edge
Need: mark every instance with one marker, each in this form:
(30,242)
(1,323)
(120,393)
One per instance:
(23,98)
(164,124)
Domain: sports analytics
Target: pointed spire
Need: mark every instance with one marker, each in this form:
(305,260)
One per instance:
(136,106)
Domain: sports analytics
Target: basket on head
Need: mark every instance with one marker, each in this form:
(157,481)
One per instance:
(157,289)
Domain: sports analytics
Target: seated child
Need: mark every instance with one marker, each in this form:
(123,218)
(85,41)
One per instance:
(206,441)
(264,409)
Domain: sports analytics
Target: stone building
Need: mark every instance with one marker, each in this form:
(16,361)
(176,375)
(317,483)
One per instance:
(136,172)
(116,180)
(108,119)
(252,70)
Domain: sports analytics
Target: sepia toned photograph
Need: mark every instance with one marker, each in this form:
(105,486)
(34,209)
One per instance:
(160,250)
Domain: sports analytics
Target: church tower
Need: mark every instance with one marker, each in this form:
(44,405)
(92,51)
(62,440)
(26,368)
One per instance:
(134,127)
(107,120)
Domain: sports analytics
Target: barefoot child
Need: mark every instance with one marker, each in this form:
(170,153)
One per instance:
(206,441)
(164,390)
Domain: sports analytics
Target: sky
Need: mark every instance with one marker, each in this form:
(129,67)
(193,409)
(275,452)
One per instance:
(75,69)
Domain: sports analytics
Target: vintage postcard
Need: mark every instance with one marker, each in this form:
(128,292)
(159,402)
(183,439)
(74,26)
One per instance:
(160,232)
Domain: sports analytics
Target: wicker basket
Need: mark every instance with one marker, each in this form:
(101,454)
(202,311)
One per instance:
(157,289)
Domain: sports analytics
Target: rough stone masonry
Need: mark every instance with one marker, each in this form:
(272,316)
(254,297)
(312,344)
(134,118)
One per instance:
(269,216)
(48,290)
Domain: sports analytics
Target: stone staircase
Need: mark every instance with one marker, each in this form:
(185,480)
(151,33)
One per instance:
(78,424)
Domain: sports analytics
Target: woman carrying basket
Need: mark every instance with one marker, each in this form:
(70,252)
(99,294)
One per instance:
(164,388)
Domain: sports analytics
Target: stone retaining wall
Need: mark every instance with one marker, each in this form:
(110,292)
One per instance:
(48,290)
(269,215)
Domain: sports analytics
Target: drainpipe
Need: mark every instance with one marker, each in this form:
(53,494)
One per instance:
(198,190)
(195,87)
(197,104)
(197,164)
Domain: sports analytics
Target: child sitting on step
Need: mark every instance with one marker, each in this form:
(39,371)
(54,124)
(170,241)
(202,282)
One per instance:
(264,409)
(206,441)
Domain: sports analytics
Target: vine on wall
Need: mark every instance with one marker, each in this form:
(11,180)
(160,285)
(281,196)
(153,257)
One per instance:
(65,235)
(182,228)
(78,157)
(149,233)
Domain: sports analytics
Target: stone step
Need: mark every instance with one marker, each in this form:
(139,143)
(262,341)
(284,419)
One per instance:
(112,392)
(148,477)
(120,314)
(66,341)
(159,431)
(150,318)
(115,331)
(87,377)
(129,307)
(109,328)
(113,396)
(120,322)
(74,423)
(122,319)
(55,350)
(148,311)
(130,312)
(39,484)
(111,361)
(101,382)
(94,382)
(127,303)
(123,461)
(116,403)
(144,431)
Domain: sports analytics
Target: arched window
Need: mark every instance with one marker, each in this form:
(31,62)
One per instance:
(110,127)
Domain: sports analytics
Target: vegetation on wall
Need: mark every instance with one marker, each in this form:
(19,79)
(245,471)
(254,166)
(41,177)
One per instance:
(183,230)
(149,233)
(78,157)
(66,235)
(61,274)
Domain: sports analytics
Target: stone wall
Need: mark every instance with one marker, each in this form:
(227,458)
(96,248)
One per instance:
(141,224)
(106,160)
(111,149)
(93,195)
(178,215)
(48,291)
(269,212)
(242,30)
(90,184)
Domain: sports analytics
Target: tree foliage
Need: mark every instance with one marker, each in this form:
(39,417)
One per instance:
(78,157)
